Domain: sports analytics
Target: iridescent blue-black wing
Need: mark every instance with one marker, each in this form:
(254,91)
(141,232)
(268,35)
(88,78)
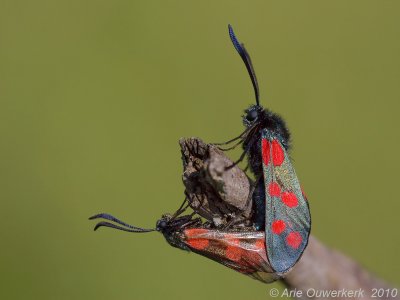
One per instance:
(287,214)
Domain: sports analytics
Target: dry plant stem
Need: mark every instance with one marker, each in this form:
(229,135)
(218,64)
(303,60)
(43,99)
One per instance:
(209,184)
(215,193)
(322,268)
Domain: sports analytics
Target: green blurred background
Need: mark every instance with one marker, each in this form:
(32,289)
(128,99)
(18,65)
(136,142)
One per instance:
(96,94)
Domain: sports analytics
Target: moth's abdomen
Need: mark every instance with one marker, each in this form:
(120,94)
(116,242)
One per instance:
(259,205)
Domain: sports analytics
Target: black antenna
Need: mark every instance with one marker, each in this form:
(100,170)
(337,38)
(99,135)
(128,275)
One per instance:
(126,227)
(247,61)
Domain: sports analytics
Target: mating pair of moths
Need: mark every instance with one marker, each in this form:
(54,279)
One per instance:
(281,216)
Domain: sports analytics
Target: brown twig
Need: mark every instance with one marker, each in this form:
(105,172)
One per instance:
(217,194)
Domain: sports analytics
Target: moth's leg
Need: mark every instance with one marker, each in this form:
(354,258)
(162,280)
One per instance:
(234,139)
(247,149)
(232,147)
(181,208)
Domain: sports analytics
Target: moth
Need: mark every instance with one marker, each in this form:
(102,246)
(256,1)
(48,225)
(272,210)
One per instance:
(281,208)
(242,251)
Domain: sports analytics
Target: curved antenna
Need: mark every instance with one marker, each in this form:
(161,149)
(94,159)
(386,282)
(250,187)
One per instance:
(109,217)
(247,61)
(108,224)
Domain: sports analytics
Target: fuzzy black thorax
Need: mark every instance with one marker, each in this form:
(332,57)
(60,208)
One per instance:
(257,119)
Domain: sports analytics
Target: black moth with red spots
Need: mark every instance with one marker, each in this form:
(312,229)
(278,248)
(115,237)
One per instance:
(243,251)
(281,209)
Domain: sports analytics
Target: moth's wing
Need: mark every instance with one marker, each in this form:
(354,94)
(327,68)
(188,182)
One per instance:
(243,252)
(287,215)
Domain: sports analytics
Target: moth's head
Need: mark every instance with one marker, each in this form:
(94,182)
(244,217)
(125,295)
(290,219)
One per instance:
(163,223)
(252,115)
(172,227)
(169,223)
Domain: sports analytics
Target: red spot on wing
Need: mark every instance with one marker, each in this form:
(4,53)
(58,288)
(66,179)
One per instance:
(277,153)
(234,253)
(294,239)
(259,244)
(290,199)
(194,240)
(199,244)
(235,242)
(278,226)
(274,189)
(195,231)
(265,151)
